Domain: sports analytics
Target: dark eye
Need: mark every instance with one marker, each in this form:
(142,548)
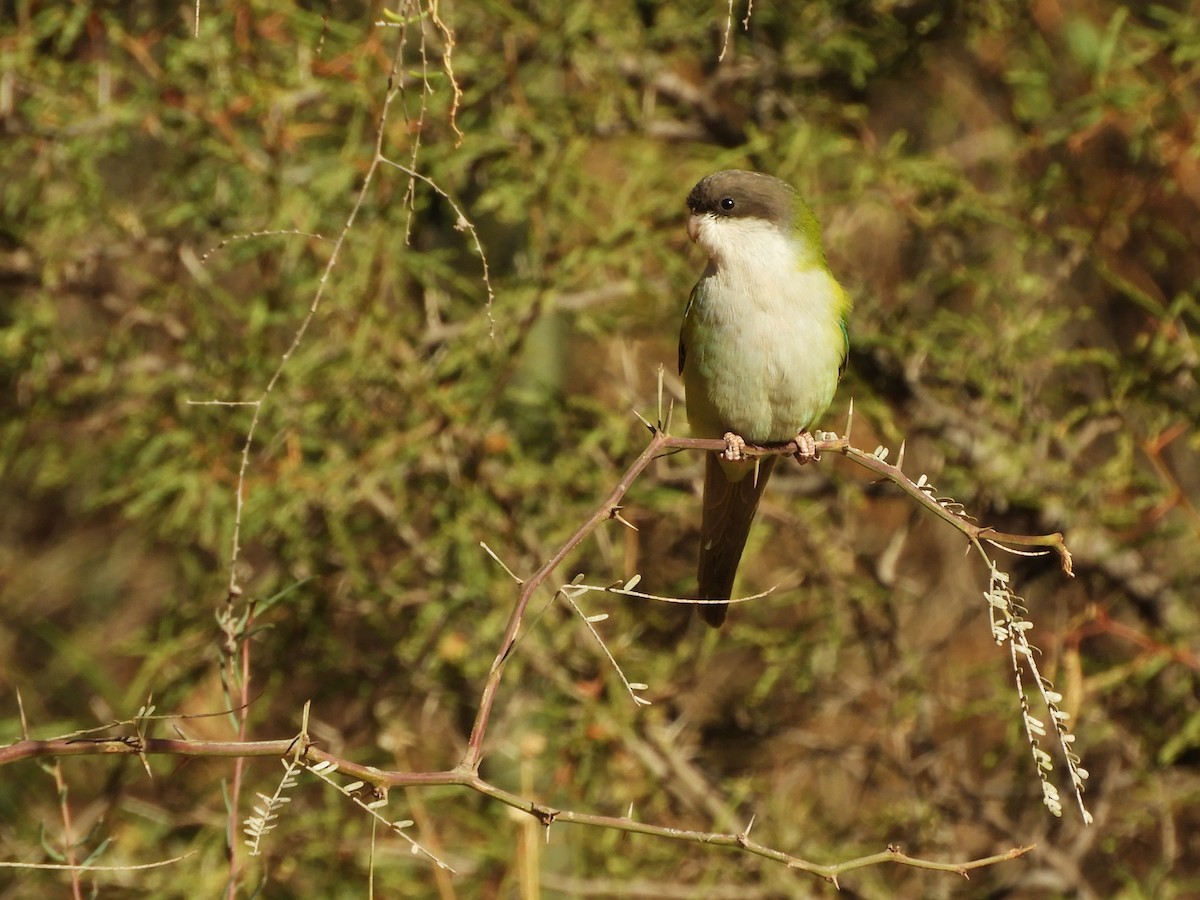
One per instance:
(727,203)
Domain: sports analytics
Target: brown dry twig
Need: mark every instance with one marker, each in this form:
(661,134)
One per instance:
(313,757)
(466,773)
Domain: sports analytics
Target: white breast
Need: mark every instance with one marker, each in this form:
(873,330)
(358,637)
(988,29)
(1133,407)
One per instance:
(763,337)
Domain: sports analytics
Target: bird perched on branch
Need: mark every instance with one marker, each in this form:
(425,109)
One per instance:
(761,350)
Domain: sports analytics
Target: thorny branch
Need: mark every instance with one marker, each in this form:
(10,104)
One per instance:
(320,761)
(466,773)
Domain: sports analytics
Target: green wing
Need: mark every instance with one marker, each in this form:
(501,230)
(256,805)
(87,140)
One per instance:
(845,351)
(683,326)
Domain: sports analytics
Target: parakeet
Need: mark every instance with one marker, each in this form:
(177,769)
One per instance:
(761,350)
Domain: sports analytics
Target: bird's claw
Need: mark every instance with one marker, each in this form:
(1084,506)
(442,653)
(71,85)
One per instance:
(807,445)
(735,447)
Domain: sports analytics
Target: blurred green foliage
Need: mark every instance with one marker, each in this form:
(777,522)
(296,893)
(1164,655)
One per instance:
(1009,191)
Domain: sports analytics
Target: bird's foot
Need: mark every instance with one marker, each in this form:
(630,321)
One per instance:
(808,448)
(735,447)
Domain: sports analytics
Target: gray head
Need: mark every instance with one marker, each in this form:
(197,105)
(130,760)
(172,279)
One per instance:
(737,194)
(729,208)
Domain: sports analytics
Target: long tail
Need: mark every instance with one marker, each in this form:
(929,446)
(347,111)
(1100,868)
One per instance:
(729,508)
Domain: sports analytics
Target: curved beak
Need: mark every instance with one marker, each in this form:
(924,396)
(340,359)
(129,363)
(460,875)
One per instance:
(693,227)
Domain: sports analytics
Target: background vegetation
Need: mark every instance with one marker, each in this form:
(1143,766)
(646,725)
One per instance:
(1010,192)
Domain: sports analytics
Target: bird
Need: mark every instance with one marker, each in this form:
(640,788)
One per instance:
(762,348)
